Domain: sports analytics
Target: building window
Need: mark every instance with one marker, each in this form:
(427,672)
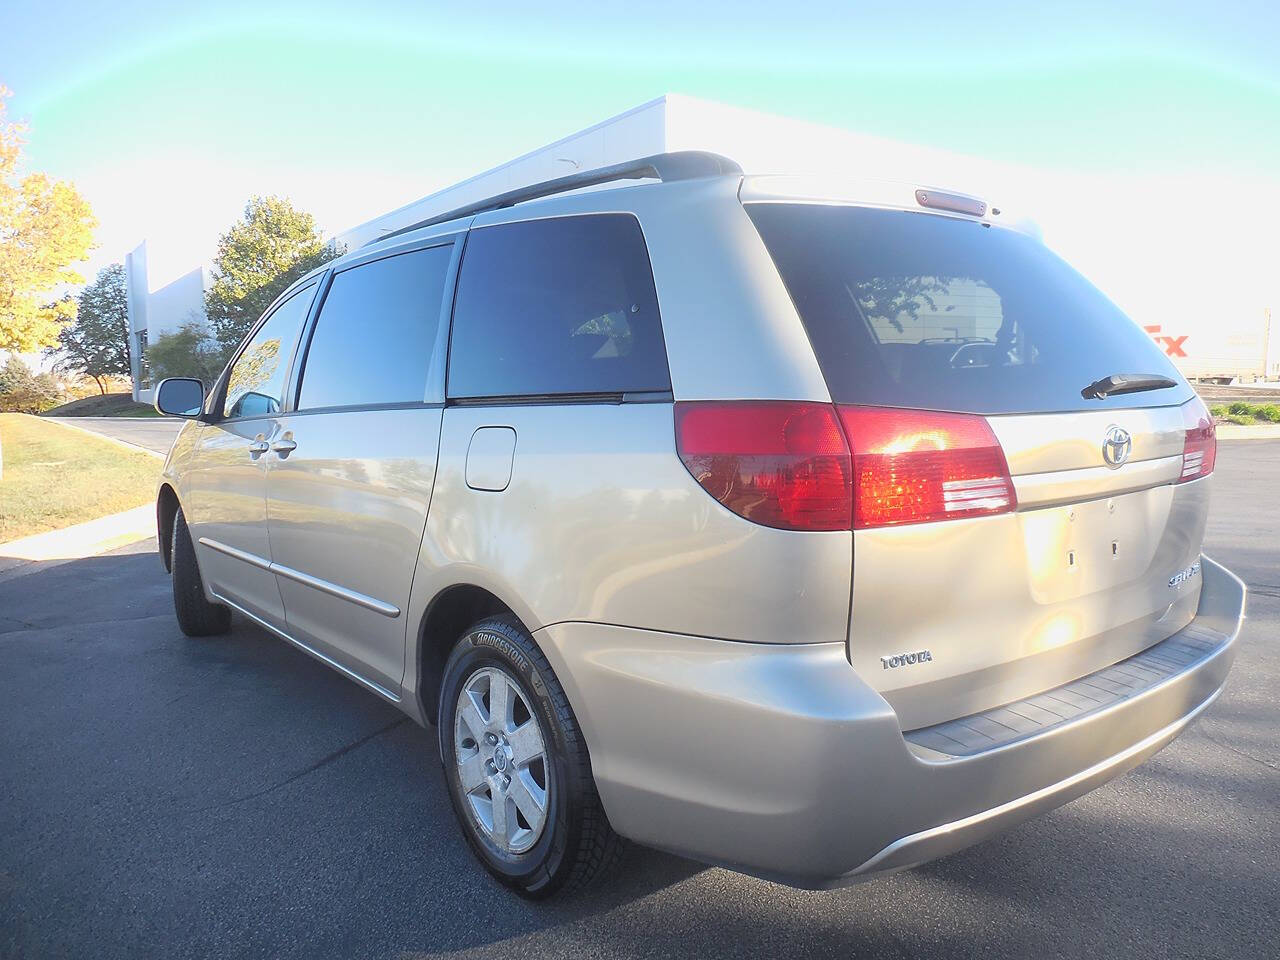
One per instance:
(144,366)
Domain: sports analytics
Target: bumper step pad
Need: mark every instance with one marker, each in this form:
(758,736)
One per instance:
(979,732)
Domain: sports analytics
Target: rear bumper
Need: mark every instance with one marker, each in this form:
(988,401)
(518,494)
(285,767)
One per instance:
(778,760)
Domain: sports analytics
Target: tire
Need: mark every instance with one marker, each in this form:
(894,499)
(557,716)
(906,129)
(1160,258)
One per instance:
(196,616)
(574,844)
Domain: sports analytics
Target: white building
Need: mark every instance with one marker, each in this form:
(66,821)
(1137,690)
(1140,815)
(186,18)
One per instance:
(764,143)
(759,142)
(157,311)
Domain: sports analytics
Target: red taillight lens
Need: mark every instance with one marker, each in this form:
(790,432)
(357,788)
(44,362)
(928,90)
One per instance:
(913,466)
(1200,448)
(781,464)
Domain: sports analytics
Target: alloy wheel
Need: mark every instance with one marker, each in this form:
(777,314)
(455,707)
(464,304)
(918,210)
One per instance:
(502,763)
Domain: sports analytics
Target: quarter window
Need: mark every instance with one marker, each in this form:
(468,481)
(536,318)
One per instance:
(554,307)
(255,387)
(376,331)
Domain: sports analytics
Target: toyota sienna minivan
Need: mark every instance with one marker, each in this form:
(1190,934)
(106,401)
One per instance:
(812,529)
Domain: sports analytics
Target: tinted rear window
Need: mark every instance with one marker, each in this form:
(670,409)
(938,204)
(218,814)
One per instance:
(374,337)
(917,310)
(558,306)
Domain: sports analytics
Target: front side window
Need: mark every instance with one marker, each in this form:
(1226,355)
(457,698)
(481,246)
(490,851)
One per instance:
(556,307)
(376,331)
(255,387)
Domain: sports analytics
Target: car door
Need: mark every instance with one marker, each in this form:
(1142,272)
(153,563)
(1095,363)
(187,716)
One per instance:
(225,493)
(352,463)
(557,448)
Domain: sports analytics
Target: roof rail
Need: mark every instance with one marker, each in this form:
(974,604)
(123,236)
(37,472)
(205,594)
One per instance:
(680,165)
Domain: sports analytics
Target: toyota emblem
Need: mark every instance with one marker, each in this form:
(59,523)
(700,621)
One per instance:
(1116,446)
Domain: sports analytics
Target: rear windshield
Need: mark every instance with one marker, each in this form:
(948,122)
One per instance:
(918,310)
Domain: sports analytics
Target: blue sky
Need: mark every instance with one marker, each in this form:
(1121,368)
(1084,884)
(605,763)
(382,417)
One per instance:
(1165,84)
(168,117)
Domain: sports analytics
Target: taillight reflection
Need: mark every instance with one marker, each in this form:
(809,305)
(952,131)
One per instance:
(912,466)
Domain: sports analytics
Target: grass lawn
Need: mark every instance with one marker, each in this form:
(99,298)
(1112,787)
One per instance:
(55,476)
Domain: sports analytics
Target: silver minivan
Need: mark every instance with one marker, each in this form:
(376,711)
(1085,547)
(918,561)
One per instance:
(812,529)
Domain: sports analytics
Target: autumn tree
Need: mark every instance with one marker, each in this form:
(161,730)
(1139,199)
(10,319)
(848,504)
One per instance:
(265,251)
(96,343)
(45,228)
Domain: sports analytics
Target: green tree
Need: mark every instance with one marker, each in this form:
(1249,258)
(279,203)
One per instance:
(265,251)
(45,228)
(187,352)
(22,391)
(96,343)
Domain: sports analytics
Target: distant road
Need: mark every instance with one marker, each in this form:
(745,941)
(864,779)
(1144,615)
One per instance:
(155,434)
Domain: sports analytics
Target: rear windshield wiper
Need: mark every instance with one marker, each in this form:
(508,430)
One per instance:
(1125,383)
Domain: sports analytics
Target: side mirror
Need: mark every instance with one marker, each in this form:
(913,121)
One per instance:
(180,397)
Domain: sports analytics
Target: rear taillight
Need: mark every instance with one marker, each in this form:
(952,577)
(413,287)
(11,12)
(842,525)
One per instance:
(791,465)
(1200,448)
(913,466)
(781,464)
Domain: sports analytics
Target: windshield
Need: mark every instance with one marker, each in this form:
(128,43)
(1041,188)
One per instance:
(917,310)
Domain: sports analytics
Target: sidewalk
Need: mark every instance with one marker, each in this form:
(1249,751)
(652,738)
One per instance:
(81,540)
(1253,431)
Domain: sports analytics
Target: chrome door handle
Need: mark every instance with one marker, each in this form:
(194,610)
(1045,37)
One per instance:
(258,448)
(284,447)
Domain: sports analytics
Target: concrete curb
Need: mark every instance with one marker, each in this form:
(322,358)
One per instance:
(1260,431)
(102,436)
(80,540)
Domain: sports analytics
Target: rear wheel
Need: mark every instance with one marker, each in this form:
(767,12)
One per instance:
(517,766)
(196,615)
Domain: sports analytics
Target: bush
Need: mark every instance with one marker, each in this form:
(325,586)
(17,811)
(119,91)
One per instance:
(1241,411)
(188,352)
(22,391)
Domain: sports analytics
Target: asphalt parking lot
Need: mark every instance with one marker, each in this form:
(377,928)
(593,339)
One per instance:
(152,433)
(231,797)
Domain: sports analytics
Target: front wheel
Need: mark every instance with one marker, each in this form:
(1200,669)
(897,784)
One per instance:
(196,615)
(517,766)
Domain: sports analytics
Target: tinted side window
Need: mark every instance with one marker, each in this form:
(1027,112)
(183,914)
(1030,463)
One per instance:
(375,333)
(558,306)
(255,387)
